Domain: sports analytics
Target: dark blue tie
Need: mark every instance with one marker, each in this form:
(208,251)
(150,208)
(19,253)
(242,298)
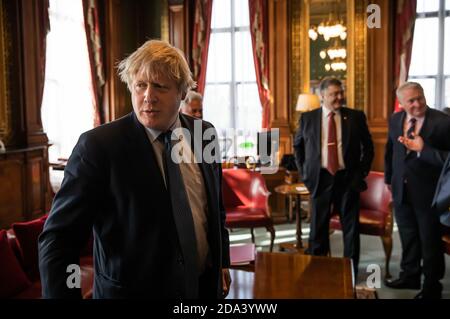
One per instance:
(182,215)
(412,128)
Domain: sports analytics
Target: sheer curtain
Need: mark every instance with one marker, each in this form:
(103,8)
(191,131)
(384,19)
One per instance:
(68,102)
(231,100)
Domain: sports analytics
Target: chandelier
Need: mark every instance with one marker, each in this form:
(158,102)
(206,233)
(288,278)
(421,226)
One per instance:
(335,52)
(333,28)
(336,66)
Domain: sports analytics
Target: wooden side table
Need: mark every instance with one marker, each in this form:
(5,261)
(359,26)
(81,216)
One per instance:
(300,192)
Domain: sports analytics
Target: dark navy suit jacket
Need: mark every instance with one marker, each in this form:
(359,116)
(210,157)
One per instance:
(357,148)
(114,188)
(441,198)
(420,172)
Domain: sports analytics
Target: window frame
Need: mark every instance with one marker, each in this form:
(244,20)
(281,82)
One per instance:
(232,84)
(440,77)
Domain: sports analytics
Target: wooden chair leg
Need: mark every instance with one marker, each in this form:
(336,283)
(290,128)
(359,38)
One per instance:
(271,230)
(252,231)
(387,246)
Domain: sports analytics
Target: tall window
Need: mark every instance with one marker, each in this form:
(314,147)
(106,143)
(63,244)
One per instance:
(231,98)
(67,106)
(431,45)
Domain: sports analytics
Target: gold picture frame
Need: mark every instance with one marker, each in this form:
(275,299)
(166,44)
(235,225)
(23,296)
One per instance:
(5,101)
(356,83)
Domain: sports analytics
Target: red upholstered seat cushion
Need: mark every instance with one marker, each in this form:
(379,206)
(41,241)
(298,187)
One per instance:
(27,234)
(446,239)
(12,278)
(371,222)
(247,217)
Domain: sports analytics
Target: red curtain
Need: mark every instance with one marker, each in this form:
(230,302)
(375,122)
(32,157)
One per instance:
(200,41)
(93,37)
(404,32)
(44,28)
(258,10)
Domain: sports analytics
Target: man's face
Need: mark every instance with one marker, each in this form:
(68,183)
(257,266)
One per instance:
(155,101)
(333,97)
(413,102)
(194,108)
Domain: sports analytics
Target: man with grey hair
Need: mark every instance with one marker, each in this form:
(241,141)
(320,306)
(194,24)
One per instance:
(159,225)
(193,105)
(417,145)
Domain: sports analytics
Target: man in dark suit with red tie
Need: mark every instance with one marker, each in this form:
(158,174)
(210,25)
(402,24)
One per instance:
(417,145)
(158,220)
(334,152)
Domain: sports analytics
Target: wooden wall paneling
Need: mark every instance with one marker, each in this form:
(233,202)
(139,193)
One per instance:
(31,78)
(12,189)
(5,103)
(128,24)
(36,184)
(181,20)
(177,26)
(380,79)
(165,21)
(279,27)
(24,192)
(118,36)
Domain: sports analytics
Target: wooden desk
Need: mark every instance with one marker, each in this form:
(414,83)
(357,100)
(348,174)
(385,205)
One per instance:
(300,192)
(294,276)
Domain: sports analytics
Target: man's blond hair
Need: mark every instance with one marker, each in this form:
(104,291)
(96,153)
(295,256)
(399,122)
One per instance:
(157,58)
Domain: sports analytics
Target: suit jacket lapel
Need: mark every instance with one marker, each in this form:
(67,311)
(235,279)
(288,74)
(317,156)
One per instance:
(138,138)
(345,131)
(318,130)
(425,129)
(399,132)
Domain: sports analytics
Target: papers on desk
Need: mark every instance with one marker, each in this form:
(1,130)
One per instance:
(242,254)
(301,188)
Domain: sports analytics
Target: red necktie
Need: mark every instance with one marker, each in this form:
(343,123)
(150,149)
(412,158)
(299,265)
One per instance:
(332,163)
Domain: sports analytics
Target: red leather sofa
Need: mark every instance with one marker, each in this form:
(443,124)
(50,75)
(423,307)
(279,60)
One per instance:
(19,271)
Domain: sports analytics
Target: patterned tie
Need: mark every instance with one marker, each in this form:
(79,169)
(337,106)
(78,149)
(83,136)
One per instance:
(412,128)
(182,215)
(332,162)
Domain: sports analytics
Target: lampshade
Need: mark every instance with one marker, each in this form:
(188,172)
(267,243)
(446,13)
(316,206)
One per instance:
(307,102)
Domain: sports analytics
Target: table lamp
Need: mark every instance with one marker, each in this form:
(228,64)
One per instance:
(307,102)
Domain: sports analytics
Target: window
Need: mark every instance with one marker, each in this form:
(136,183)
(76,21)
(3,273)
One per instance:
(67,106)
(430,46)
(231,101)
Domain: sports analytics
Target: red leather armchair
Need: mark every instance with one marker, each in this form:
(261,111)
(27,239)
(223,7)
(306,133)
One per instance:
(446,240)
(245,198)
(375,215)
(19,271)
